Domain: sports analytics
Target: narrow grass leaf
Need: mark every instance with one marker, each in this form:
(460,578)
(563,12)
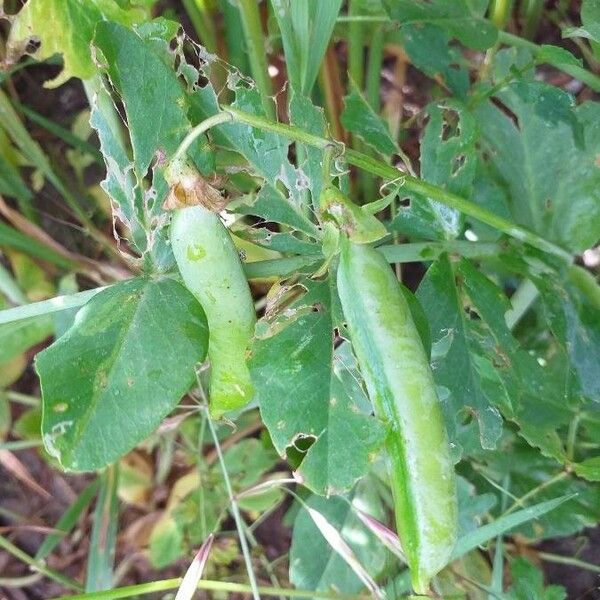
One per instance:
(104,534)
(505,523)
(68,520)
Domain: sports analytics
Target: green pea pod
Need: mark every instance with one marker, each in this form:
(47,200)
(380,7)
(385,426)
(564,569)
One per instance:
(211,269)
(400,384)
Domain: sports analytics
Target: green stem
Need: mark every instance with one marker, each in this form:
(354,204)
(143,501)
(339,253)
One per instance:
(521,301)
(572,435)
(202,24)
(216,586)
(536,490)
(237,517)
(197,131)
(410,183)
(429,251)
(20,445)
(38,565)
(567,560)
(575,71)
(356,67)
(374,68)
(532,11)
(257,52)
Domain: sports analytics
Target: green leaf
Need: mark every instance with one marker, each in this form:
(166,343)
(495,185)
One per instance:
(103,542)
(360,119)
(459,18)
(590,22)
(68,520)
(429,49)
(19,336)
(460,373)
(314,565)
(574,319)
(588,469)
(529,470)
(528,583)
(65,27)
(306,28)
(154,100)
(449,160)
(504,524)
(527,382)
(141,69)
(305,115)
(123,366)
(309,394)
(552,179)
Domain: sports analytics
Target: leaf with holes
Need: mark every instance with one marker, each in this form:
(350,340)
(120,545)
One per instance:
(310,397)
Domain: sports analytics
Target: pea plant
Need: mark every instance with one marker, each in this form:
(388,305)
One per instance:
(347,277)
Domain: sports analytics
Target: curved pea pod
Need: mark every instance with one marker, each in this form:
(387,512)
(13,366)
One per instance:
(211,269)
(400,384)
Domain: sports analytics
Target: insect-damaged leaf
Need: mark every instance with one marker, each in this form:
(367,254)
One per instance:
(65,27)
(108,382)
(308,392)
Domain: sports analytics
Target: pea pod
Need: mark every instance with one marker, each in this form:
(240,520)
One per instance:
(211,269)
(400,384)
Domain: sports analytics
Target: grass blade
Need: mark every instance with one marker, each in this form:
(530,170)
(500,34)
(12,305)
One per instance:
(505,523)
(104,534)
(68,520)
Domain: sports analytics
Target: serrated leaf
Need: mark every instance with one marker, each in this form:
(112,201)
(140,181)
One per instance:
(448,159)
(141,71)
(429,49)
(458,372)
(109,381)
(575,322)
(360,119)
(308,392)
(553,180)
(65,27)
(458,18)
(588,469)
(590,22)
(305,115)
(528,583)
(525,380)
(314,565)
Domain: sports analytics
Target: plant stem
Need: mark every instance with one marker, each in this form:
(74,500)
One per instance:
(536,490)
(429,251)
(38,565)
(373,84)
(410,183)
(202,24)
(567,560)
(197,131)
(236,513)
(20,445)
(521,301)
(257,52)
(356,68)
(217,586)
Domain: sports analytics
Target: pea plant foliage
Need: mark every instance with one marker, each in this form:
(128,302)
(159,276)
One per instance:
(445,397)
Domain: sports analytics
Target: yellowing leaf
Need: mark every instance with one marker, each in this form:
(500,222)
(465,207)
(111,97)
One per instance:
(64,27)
